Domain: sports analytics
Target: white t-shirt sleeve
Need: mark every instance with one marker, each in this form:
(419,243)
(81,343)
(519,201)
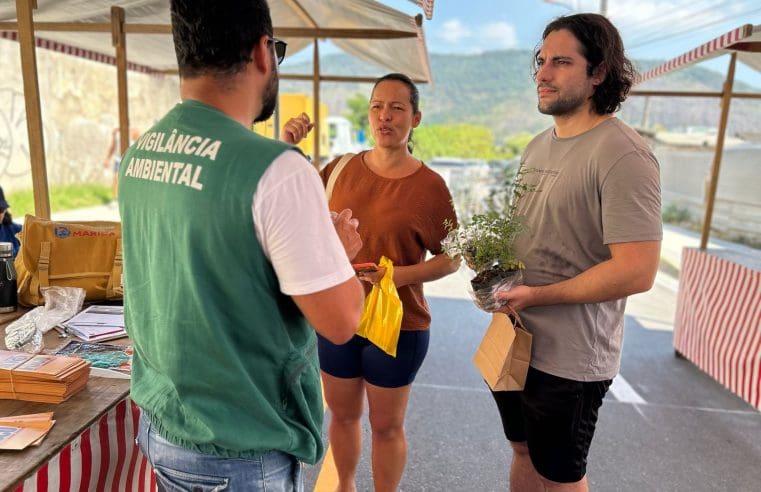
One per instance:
(294,227)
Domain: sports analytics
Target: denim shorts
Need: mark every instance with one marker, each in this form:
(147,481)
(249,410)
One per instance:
(556,418)
(180,469)
(360,358)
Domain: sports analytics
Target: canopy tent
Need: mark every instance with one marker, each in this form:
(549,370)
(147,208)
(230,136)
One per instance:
(367,29)
(742,43)
(427,6)
(138,32)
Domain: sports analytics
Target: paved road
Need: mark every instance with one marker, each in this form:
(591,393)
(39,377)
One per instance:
(665,425)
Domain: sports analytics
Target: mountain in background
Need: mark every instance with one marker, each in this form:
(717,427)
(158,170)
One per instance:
(495,89)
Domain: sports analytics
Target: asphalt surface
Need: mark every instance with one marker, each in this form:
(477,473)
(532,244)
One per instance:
(672,428)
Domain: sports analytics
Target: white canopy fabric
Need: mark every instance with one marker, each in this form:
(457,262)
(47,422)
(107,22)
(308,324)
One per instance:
(392,40)
(744,40)
(137,36)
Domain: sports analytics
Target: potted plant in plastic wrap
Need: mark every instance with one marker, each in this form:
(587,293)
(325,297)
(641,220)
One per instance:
(486,240)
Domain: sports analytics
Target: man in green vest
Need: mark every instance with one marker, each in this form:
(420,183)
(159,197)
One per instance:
(231,262)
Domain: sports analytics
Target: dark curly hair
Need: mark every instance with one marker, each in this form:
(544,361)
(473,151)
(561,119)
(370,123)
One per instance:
(602,47)
(215,37)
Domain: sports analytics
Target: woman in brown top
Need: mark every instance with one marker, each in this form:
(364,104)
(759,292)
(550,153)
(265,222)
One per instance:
(401,206)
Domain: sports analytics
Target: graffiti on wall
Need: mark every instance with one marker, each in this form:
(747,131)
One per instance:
(14,148)
(79,111)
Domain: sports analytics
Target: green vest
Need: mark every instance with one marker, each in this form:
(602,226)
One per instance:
(224,363)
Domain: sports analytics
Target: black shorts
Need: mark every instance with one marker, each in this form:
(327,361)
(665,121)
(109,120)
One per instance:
(360,358)
(556,418)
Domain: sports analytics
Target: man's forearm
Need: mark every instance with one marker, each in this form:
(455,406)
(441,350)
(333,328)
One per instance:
(631,270)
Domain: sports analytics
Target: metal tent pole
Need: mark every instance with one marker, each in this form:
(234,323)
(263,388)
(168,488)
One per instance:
(316,91)
(726,98)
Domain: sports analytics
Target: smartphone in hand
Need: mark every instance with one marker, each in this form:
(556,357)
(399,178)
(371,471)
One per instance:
(365,267)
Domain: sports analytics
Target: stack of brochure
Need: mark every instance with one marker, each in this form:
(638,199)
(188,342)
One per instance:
(41,378)
(97,323)
(19,431)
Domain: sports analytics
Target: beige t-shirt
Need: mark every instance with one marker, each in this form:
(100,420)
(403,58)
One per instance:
(594,189)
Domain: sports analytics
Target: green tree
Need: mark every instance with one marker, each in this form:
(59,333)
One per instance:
(358,106)
(516,142)
(461,140)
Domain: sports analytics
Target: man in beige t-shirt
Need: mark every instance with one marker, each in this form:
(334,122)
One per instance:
(594,239)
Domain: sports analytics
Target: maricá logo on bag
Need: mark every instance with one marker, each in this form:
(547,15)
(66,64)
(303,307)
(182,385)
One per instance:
(64,232)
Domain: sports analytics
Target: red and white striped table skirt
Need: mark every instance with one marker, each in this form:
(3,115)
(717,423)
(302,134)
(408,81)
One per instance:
(103,458)
(718,321)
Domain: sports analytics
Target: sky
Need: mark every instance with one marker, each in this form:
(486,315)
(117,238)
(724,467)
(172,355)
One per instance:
(651,29)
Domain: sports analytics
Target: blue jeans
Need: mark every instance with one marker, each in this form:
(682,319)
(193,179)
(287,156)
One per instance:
(179,469)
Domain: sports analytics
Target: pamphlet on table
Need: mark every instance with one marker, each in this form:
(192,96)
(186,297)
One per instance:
(19,431)
(41,378)
(97,323)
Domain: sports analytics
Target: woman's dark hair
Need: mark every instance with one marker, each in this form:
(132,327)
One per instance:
(7,219)
(414,97)
(215,37)
(603,48)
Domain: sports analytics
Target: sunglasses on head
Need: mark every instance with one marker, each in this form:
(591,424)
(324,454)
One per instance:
(280,46)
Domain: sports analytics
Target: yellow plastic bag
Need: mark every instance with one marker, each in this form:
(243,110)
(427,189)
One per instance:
(382,317)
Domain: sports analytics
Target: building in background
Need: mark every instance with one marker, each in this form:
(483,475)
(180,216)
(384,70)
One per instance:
(344,138)
(289,106)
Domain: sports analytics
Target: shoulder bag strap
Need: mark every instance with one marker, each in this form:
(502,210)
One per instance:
(114,286)
(336,171)
(43,273)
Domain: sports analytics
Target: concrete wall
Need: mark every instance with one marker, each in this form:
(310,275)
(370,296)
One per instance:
(79,110)
(737,210)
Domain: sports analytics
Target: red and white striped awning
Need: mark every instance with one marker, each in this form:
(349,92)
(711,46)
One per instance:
(427,6)
(78,52)
(744,40)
